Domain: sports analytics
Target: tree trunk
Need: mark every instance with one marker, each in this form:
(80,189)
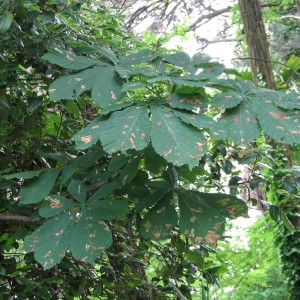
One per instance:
(257,43)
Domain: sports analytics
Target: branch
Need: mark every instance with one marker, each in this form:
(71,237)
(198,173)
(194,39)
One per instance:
(272,61)
(209,16)
(225,40)
(290,16)
(19,218)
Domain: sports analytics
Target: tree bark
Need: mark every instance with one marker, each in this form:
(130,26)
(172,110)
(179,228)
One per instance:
(257,43)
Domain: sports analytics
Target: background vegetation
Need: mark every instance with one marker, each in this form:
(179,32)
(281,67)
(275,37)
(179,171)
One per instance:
(120,160)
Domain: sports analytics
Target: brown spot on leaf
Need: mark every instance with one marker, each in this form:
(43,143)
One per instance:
(193,219)
(86,139)
(228,97)
(147,226)
(189,101)
(87,247)
(196,156)
(126,126)
(198,239)
(294,131)
(96,127)
(218,225)
(223,202)
(124,132)
(69,57)
(48,253)
(133,135)
(212,238)
(123,143)
(52,90)
(159,123)
(232,211)
(77,79)
(156,234)
(54,203)
(197,210)
(169,226)
(143,135)
(113,95)
(82,87)
(58,50)
(190,233)
(167,152)
(162,209)
(168,116)
(280,116)
(280,128)
(235,119)
(132,143)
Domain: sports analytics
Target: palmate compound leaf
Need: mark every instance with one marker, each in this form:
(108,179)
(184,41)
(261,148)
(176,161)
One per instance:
(180,59)
(51,240)
(130,170)
(279,124)
(145,55)
(126,129)
(227,100)
(258,111)
(174,140)
(39,188)
(78,190)
(53,205)
(154,163)
(202,215)
(240,124)
(285,100)
(198,120)
(103,81)
(237,91)
(91,235)
(89,135)
(160,219)
(186,102)
(106,209)
(80,230)
(68,59)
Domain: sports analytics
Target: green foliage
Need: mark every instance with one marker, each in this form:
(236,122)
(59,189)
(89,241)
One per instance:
(253,263)
(111,159)
(283,191)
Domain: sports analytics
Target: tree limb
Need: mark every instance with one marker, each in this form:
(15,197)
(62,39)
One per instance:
(290,16)
(19,218)
(216,13)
